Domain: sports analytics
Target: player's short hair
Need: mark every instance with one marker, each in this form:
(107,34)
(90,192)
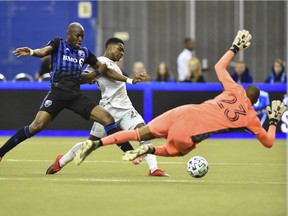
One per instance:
(187,39)
(253,93)
(113,40)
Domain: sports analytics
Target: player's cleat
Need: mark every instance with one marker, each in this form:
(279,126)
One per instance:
(138,160)
(158,173)
(131,155)
(55,167)
(87,147)
(0,159)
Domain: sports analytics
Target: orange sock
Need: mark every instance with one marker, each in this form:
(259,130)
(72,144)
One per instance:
(121,137)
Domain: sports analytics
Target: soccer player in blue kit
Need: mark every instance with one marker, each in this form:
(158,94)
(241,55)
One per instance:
(114,99)
(67,59)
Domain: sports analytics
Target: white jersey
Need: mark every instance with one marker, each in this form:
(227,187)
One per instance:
(112,91)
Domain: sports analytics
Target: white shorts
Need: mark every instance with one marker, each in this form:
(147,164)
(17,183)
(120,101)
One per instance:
(126,119)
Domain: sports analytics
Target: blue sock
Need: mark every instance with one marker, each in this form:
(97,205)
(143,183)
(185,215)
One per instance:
(17,138)
(111,128)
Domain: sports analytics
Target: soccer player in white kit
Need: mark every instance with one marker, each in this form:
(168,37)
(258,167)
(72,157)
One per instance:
(116,101)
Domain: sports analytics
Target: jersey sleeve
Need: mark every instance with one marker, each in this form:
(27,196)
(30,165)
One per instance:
(91,59)
(55,43)
(265,137)
(223,75)
(255,126)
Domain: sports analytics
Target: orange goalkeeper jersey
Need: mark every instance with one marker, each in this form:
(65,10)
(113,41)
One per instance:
(232,109)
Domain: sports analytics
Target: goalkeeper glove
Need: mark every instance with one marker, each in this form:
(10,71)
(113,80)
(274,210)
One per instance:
(275,112)
(241,41)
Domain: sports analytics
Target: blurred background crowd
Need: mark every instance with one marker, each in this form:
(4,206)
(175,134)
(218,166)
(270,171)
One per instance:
(177,41)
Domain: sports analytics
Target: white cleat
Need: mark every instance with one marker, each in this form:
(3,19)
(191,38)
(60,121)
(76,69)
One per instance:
(87,147)
(131,155)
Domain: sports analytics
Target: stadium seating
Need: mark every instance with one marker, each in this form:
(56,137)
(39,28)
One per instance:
(23,77)
(45,77)
(2,77)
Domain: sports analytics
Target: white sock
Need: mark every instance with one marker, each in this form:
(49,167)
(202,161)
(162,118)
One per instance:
(152,162)
(150,159)
(69,156)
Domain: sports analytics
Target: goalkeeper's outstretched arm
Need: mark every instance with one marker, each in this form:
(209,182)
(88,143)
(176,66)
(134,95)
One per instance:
(267,138)
(241,42)
(274,112)
(221,65)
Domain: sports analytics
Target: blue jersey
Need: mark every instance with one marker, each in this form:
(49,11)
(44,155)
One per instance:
(66,64)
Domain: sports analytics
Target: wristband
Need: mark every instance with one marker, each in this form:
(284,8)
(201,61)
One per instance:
(273,121)
(234,49)
(31,52)
(129,80)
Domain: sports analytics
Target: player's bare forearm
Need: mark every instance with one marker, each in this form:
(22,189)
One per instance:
(104,70)
(267,138)
(40,53)
(26,51)
(115,76)
(221,65)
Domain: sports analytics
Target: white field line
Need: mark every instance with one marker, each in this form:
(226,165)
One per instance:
(169,163)
(158,180)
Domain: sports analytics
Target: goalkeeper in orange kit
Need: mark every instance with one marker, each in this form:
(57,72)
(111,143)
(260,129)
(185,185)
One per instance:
(186,126)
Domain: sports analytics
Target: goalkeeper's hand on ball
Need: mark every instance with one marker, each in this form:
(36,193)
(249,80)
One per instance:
(275,112)
(241,41)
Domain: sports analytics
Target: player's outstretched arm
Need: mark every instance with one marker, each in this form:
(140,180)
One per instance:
(274,112)
(26,51)
(241,42)
(104,70)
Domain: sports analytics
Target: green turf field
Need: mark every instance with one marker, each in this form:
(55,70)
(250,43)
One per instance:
(244,179)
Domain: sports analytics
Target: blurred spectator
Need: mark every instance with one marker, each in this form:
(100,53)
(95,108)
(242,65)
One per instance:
(278,74)
(194,71)
(163,73)
(184,57)
(45,67)
(138,67)
(242,73)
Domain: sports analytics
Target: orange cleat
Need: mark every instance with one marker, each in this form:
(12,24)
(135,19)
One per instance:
(158,173)
(55,167)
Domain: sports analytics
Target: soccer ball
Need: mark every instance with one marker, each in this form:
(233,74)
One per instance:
(197,167)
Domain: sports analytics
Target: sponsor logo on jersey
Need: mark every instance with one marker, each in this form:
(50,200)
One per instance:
(70,59)
(47,103)
(74,60)
(81,53)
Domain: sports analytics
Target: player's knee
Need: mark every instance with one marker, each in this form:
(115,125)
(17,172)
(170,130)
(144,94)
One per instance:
(37,126)
(107,120)
(100,115)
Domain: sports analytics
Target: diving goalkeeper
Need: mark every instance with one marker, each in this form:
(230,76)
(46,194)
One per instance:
(186,126)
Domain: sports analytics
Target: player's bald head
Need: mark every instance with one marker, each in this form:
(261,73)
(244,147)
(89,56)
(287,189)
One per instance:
(75,34)
(253,93)
(74,26)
